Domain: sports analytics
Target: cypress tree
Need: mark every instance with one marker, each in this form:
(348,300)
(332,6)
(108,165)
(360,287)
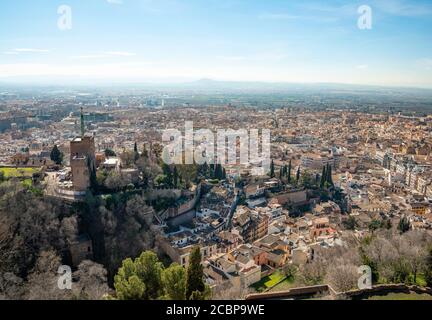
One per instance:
(175,177)
(289,172)
(216,171)
(329,175)
(194,274)
(145,152)
(220,172)
(211,171)
(323,177)
(272,169)
(56,155)
(404,225)
(136,151)
(298,175)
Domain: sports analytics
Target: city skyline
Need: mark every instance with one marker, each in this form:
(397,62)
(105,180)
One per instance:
(130,41)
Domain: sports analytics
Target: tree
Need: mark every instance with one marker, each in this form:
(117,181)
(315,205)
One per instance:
(149,169)
(404,225)
(204,169)
(272,169)
(127,158)
(11,286)
(350,223)
(127,284)
(323,177)
(174,282)
(139,279)
(145,152)
(306,179)
(167,174)
(109,153)
(175,177)
(281,173)
(329,175)
(412,252)
(374,225)
(115,181)
(312,273)
(428,268)
(42,282)
(341,276)
(387,224)
(149,269)
(136,153)
(28,226)
(56,155)
(91,281)
(289,172)
(194,274)
(298,175)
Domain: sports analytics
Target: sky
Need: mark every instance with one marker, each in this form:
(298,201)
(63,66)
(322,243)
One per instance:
(309,41)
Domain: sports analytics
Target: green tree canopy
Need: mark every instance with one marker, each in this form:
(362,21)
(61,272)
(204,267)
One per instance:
(195,274)
(110,153)
(174,282)
(404,225)
(145,278)
(127,284)
(428,268)
(56,155)
(140,279)
(272,169)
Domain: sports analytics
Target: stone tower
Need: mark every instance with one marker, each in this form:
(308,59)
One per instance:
(82,159)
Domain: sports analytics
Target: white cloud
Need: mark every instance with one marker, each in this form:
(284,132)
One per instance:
(120,53)
(425,63)
(115,1)
(255,57)
(31,50)
(277,16)
(104,55)
(362,66)
(88,56)
(24,50)
(403,8)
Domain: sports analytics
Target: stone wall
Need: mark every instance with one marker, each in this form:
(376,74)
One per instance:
(384,289)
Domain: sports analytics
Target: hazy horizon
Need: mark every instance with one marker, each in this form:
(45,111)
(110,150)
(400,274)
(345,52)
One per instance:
(171,41)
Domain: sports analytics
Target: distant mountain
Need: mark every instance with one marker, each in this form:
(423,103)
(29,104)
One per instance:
(211,86)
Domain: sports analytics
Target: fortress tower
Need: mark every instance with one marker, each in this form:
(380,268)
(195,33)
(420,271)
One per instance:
(82,158)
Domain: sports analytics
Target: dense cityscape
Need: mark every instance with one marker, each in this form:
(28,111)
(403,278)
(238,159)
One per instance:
(219,158)
(84,184)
